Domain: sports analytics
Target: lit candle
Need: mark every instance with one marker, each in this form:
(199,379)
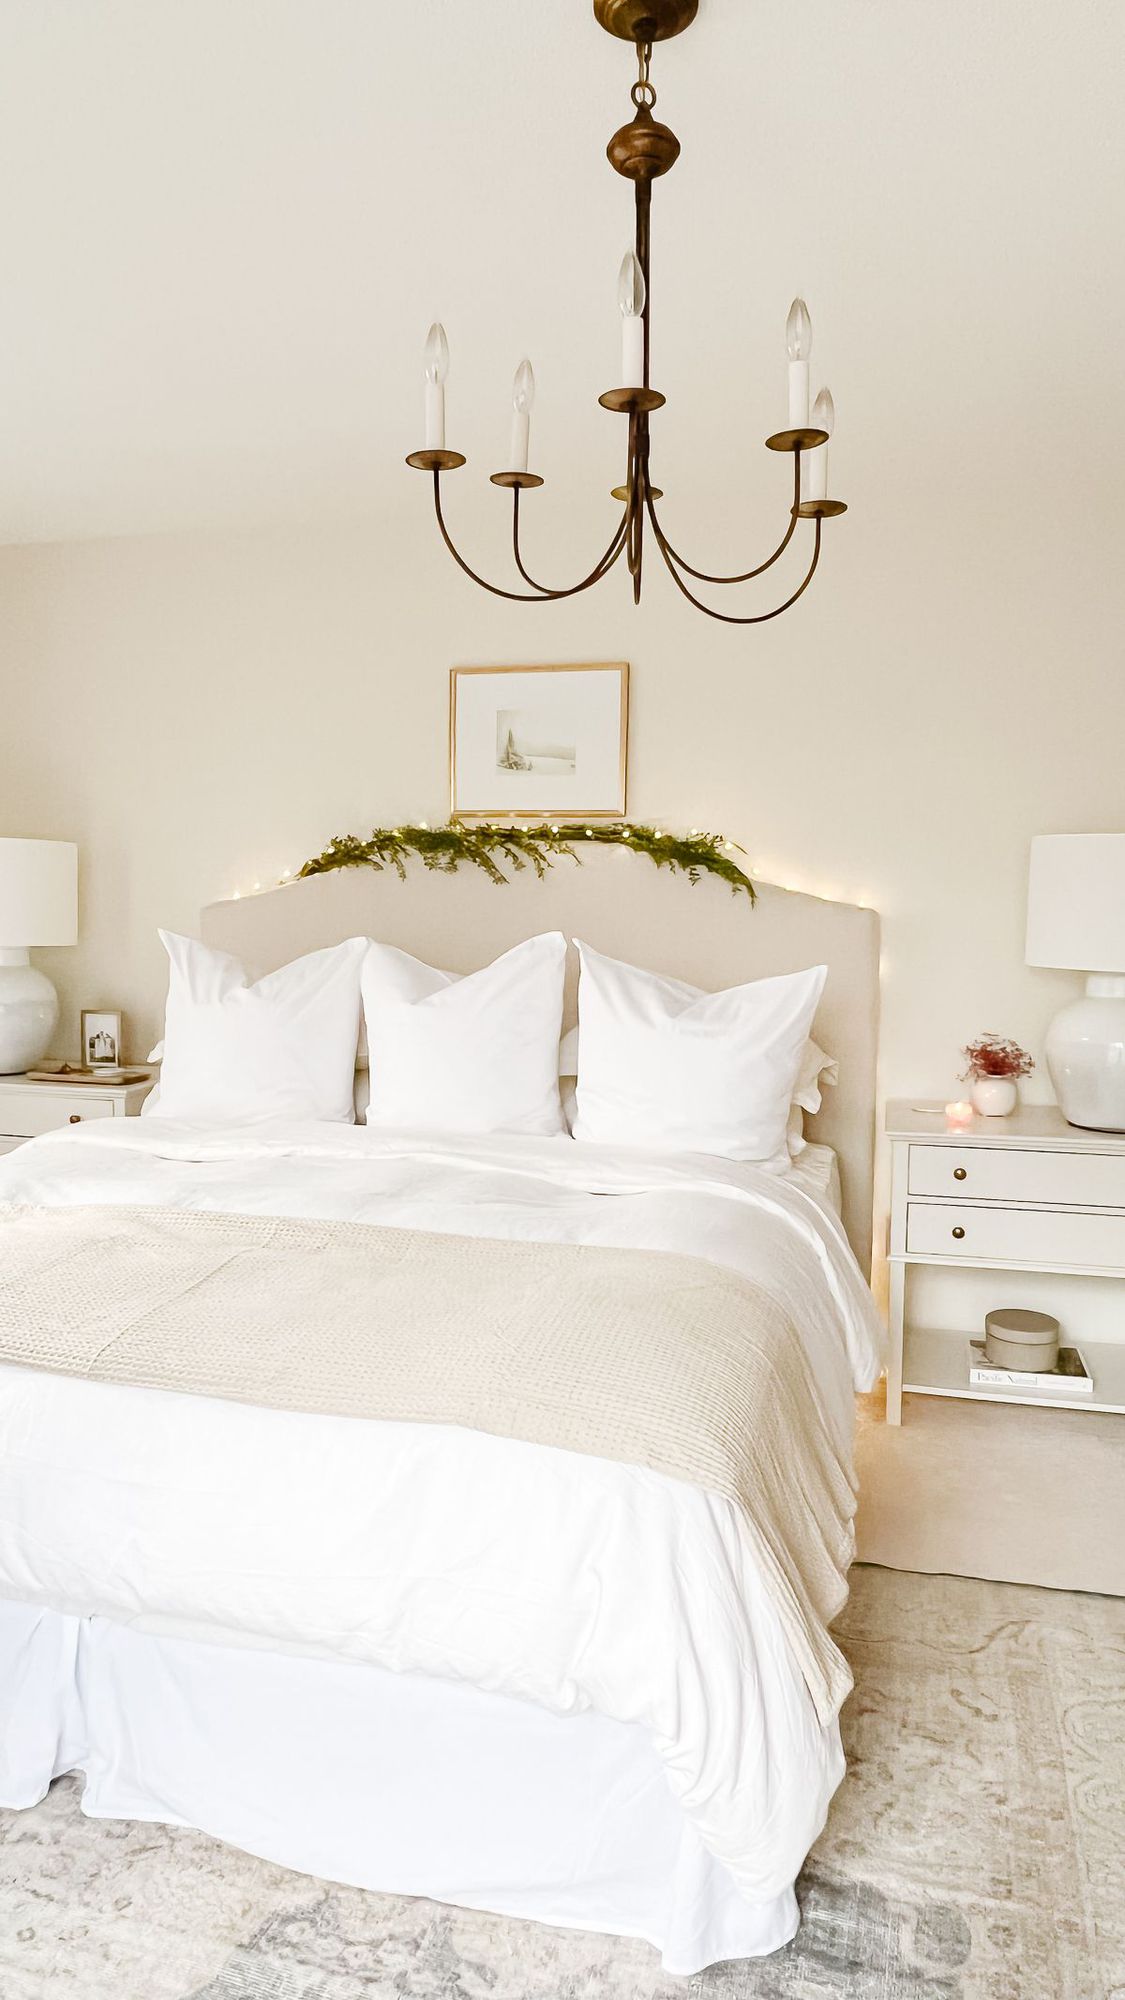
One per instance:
(631,299)
(959,1114)
(798,339)
(436,368)
(523,396)
(814,466)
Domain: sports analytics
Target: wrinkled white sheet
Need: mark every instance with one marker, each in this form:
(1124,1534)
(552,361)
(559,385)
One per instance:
(572,1582)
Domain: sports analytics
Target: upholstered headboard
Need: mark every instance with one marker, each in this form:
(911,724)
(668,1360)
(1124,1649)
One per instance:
(624,906)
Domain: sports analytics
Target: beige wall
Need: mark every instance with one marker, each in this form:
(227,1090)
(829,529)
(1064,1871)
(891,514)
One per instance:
(202,712)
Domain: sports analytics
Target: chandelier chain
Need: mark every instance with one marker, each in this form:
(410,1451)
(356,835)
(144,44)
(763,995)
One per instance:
(643,92)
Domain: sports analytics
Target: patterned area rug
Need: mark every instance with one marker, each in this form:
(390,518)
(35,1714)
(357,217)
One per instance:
(976,1851)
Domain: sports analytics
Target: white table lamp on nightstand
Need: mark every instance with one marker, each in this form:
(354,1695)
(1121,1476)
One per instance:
(1076,918)
(38,905)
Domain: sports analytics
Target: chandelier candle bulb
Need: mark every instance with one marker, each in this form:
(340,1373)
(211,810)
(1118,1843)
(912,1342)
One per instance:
(631,299)
(814,479)
(798,340)
(436,365)
(523,396)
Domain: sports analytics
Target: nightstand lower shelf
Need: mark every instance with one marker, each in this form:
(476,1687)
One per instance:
(935,1363)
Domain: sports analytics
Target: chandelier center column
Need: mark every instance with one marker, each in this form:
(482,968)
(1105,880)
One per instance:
(641,151)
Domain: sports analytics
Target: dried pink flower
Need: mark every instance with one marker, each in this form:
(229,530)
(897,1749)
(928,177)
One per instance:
(993,1055)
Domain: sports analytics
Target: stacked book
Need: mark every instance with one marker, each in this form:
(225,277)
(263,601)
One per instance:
(1069,1372)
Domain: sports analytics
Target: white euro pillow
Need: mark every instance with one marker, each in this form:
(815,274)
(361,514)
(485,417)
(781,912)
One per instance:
(472,1053)
(667,1066)
(237,1050)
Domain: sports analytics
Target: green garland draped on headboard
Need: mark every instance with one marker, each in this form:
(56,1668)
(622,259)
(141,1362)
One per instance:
(486,844)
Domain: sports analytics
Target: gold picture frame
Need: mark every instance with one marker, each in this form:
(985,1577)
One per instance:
(101,1038)
(518,750)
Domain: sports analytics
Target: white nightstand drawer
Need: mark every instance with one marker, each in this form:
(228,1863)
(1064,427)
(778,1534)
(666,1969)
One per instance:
(26,1113)
(1015,1235)
(997,1173)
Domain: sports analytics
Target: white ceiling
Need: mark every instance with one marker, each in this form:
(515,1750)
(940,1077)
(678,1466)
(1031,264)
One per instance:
(227,224)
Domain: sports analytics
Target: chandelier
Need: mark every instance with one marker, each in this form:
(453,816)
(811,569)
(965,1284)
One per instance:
(641,151)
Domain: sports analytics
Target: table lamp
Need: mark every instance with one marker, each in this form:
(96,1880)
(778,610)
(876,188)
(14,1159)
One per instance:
(1076,918)
(38,905)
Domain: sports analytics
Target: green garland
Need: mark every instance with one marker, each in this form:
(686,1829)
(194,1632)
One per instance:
(486,844)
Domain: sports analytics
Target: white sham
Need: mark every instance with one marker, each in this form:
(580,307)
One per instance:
(667,1066)
(471,1053)
(237,1050)
(816,1069)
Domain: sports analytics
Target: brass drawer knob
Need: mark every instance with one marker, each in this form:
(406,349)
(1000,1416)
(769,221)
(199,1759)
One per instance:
(76,1118)
(958,1232)
(960,1174)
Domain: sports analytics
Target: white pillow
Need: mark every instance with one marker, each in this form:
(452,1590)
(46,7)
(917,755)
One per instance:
(472,1054)
(816,1069)
(283,1047)
(665,1065)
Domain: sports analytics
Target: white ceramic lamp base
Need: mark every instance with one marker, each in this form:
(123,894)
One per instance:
(1086,1056)
(29,1011)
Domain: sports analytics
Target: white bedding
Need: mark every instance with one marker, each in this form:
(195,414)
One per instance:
(816,1169)
(576,1583)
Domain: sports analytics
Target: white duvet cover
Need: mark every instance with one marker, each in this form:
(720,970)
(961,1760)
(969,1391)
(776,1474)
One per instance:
(577,1583)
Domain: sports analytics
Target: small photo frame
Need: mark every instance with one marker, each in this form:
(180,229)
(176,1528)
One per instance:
(101,1038)
(538,742)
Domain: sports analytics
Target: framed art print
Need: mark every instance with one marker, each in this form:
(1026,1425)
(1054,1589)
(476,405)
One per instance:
(538,742)
(101,1038)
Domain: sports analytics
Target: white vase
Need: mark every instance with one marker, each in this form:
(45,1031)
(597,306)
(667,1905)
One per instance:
(994,1096)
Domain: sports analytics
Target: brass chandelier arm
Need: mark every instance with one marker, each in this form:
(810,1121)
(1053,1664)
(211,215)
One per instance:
(535,596)
(601,568)
(702,575)
(727,617)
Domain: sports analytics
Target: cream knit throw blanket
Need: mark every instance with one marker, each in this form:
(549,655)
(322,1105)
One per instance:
(652,1359)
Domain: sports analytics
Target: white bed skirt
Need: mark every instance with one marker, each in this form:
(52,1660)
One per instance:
(394,1782)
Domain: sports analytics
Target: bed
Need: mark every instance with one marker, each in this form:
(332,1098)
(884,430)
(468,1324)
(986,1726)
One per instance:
(421,1656)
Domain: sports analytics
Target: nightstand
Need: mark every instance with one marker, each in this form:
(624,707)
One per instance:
(1023,1194)
(28,1108)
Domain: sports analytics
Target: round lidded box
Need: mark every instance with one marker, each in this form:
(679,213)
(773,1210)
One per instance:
(1015,1338)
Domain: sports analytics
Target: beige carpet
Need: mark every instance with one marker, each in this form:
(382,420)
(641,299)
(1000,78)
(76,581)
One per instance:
(976,1851)
(994,1490)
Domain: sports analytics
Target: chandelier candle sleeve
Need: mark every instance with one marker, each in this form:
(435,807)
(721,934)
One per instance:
(798,340)
(523,396)
(436,362)
(631,299)
(814,482)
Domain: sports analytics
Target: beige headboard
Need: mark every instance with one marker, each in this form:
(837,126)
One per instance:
(624,906)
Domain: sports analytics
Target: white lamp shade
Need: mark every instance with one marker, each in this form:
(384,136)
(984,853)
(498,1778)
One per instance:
(38,893)
(1076,901)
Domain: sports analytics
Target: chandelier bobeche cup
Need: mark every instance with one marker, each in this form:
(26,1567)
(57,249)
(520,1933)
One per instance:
(641,151)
